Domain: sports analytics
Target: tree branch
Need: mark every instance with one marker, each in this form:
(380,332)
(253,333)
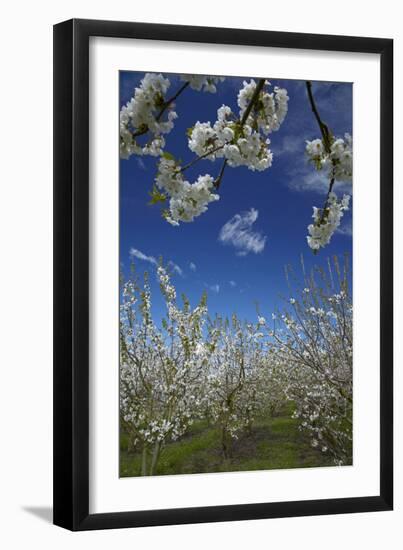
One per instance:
(192,162)
(326,142)
(324,130)
(217,181)
(253,100)
(169,101)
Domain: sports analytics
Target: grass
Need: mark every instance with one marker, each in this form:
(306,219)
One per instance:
(274,443)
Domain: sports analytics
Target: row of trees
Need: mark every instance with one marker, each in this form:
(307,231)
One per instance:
(191,367)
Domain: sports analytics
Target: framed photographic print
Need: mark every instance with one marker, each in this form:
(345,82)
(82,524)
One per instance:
(223,298)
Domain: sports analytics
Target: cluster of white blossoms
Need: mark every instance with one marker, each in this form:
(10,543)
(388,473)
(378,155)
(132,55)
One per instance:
(187,200)
(336,159)
(269,111)
(202,83)
(241,139)
(242,143)
(141,115)
(239,145)
(326,223)
(338,162)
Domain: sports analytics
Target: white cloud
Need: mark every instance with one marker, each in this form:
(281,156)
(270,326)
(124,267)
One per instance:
(135,253)
(176,268)
(232,283)
(215,288)
(289,145)
(345,229)
(140,163)
(238,232)
(307,178)
(192,266)
(332,97)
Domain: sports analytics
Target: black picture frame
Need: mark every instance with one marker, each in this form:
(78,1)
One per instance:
(71,274)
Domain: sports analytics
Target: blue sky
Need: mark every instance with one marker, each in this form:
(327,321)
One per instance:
(278,202)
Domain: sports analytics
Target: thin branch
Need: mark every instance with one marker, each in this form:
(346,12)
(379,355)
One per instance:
(322,126)
(171,100)
(326,142)
(217,181)
(332,180)
(256,93)
(192,162)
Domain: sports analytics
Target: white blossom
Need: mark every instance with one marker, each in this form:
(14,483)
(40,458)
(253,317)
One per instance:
(271,108)
(141,115)
(202,83)
(338,162)
(246,143)
(187,200)
(239,145)
(325,224)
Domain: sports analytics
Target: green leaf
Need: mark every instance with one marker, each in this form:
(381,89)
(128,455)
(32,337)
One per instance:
(156,196)
(167,156)
(238,131)
(159,100)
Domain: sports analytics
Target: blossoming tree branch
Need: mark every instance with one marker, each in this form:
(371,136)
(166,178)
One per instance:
(235,139)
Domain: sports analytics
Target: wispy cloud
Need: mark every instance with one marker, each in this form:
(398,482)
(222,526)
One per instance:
(232,283)
(345,229)
(335,97)
(175,268)
(289,145)
(141,163)
(192,266)
(304,177)
(214,288)
(238,232)
(135,253)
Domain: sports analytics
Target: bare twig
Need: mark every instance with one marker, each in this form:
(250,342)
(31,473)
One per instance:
(322,126)
(218,179)
(169,101)
(326,142)
(192,162)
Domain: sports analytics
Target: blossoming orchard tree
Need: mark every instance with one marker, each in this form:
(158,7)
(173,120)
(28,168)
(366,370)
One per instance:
(235,393)
(161,369)
(313,341)
(235,139)
(233,372)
